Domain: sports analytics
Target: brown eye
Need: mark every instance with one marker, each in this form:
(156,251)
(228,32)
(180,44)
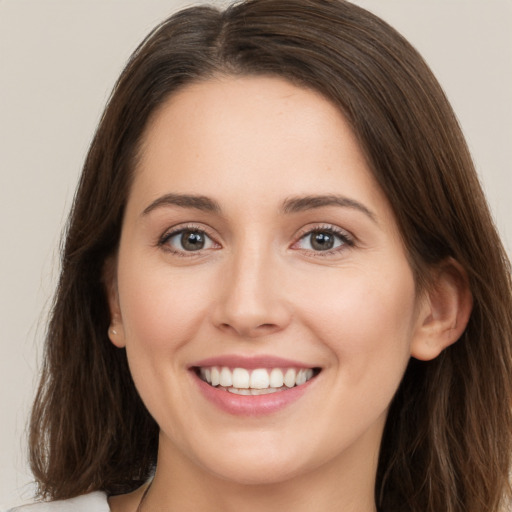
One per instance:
(187,240)
(323,240)
(192,240)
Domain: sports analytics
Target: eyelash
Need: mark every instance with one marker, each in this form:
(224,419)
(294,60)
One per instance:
(346,239)
(192,228)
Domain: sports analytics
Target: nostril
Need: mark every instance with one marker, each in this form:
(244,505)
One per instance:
(249,331)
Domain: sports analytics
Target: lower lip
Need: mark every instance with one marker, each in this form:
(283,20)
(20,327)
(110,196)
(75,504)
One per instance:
(251,405)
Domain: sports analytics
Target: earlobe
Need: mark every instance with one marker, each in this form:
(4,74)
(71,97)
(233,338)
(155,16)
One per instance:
(115,330)
(444,311)
(116,335)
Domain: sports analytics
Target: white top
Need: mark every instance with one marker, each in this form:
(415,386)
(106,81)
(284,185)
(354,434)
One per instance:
(92,502)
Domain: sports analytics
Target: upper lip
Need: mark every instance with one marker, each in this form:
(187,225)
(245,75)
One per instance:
(250,362)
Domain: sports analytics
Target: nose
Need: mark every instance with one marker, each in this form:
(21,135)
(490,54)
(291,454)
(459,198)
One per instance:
(252,302)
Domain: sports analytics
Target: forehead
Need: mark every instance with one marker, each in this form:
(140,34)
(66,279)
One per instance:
(263,137)
(245,109)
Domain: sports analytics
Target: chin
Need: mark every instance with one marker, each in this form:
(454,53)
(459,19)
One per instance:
(258,473)
(259,464)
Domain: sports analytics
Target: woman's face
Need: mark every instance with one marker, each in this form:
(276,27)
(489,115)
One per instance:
(258,251)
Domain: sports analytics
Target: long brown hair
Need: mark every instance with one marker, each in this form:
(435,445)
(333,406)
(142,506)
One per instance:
(448,437)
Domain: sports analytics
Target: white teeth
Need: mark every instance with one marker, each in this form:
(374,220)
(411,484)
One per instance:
(225,378)
(256,382)
(276,378)
(267,391)
(259,379)
(301,377)
(238,391)
(263,391)
(240,378)
(289,378)
(215,376)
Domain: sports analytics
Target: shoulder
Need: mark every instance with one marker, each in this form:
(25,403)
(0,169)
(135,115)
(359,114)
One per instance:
(92,502)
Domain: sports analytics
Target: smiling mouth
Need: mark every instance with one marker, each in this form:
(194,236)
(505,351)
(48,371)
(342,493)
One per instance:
(259,381)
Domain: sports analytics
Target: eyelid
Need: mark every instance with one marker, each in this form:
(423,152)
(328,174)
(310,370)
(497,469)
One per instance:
(180,228)
(348,239)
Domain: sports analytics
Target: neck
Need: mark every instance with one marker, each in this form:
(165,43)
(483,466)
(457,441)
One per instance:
(345,483)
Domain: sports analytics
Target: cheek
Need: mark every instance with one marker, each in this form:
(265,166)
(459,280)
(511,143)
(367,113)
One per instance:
(161,308)
(367,323)
(366,319)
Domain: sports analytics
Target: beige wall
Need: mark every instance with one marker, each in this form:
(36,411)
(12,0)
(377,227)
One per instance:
(58,61)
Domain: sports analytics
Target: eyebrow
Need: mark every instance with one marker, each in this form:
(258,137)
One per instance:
(290,205)
(303,203)
(201,203)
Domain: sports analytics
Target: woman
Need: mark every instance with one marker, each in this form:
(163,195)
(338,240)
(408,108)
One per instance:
(281,285)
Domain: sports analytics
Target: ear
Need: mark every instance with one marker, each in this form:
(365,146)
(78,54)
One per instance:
(444,311)
(116,329)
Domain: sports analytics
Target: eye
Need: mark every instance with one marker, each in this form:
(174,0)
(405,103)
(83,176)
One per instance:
(187,240)
(323,240)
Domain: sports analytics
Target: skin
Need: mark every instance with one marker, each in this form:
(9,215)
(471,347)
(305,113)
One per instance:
(258,287)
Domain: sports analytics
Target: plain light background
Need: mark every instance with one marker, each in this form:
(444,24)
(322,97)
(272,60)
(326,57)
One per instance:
(58,62)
